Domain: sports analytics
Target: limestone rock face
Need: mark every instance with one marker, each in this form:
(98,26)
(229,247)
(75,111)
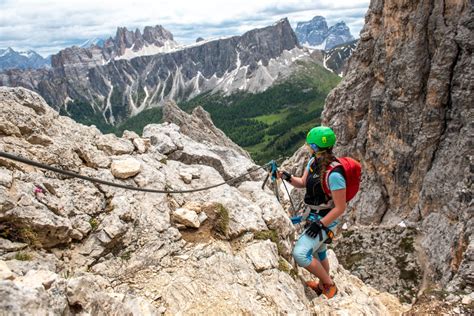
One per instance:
(198,126)
(68,246)
(168,140)
(164,137)
(18,299)
(369,301)
(369,252)
(405,111)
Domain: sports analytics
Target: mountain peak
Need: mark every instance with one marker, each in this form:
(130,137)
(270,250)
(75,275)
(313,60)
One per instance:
(8,50)
(317,18)
(157,33)
(282,21)
(136,41)
(28,59)
(317,34)
(28,53)
(340,25)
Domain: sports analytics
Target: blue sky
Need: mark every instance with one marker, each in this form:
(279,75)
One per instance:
(50,25)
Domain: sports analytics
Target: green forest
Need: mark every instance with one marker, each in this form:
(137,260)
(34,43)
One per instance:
(268,124)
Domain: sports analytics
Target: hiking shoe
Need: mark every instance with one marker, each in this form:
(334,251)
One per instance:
(314,285)
(329,290)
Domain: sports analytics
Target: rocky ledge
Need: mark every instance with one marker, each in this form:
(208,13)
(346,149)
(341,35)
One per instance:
(72,247)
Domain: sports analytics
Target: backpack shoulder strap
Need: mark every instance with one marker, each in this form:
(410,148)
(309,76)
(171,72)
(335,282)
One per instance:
(332,166)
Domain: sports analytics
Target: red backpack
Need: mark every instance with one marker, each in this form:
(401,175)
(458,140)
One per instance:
(352,172)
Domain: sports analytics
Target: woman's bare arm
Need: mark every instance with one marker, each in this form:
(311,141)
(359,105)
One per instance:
(297,182)
(339,198)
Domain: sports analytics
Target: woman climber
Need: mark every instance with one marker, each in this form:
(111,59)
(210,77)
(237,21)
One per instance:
(330,182)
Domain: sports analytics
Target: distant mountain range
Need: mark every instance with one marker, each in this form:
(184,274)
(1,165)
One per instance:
(118,78)
(316,33)
(135,70)
(129,44)
(11,59)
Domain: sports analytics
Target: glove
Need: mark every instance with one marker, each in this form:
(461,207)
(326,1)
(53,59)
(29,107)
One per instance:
(314,229)
(286,176)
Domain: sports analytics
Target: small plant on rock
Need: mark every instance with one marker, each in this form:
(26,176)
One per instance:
(287,268)
(126,255)
(29,236)
(22,256)
(407,244)
(267,235)
(94,223)
(221,225)
(347,234)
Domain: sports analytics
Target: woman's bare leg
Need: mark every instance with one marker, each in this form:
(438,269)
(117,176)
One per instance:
(325,264)
(319,271)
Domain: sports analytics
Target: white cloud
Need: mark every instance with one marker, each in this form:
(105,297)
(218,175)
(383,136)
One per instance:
(46,25)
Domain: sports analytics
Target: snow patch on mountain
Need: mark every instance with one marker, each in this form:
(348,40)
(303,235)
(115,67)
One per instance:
(321,46)
(4,52)
(28,53)
(263,77)
(148,50)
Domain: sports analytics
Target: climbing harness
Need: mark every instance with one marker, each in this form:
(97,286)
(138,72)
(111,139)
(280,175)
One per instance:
(313,213)
(117,185)
(310,214)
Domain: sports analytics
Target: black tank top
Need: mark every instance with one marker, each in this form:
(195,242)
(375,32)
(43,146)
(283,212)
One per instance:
(314,189)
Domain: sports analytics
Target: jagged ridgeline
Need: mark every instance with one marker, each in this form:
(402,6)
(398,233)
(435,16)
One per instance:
(262,88)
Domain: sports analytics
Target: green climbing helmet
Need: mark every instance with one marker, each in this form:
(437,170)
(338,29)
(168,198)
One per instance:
(321,136)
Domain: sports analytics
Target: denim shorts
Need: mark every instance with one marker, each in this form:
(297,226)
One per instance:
(306,247)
